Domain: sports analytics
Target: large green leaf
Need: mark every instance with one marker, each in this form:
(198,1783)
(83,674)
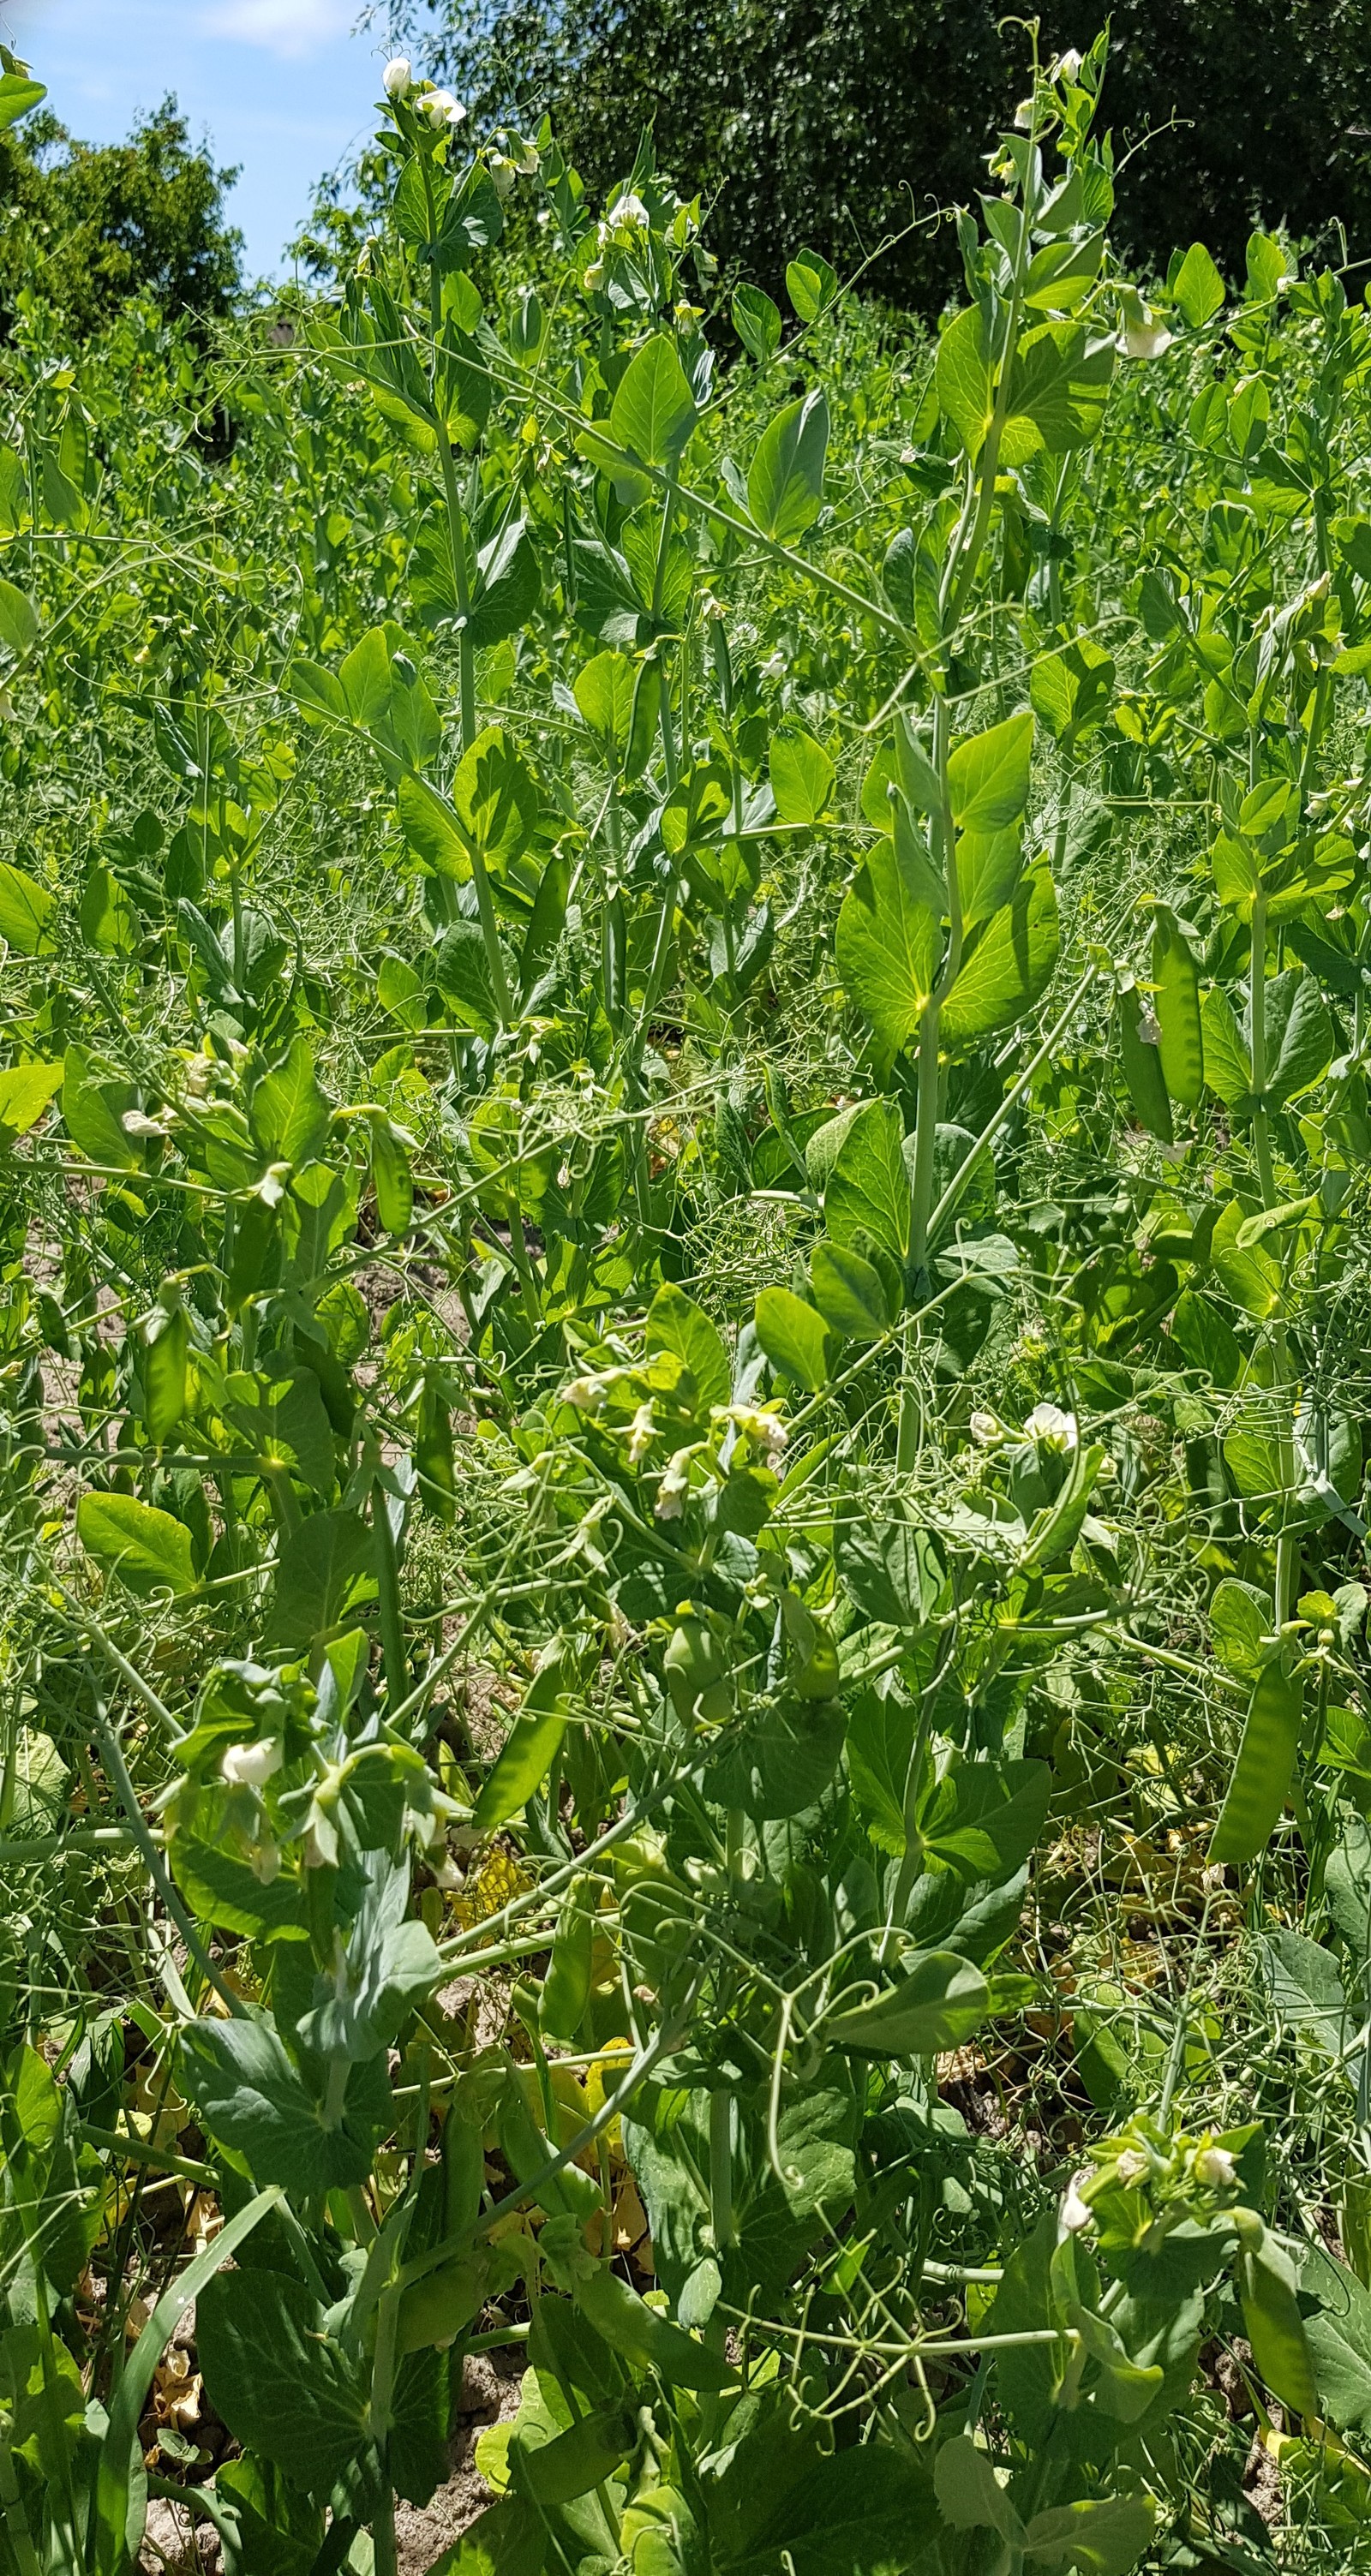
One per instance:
(149,1550)
(785,483)
(988,775)
(935,2007)
(653,412)
(867,1192)
(278,2379)
(1007,964)
(252,2099)
(889,945)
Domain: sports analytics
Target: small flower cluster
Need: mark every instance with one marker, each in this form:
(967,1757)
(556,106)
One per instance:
(758,1425)
(1144,2181)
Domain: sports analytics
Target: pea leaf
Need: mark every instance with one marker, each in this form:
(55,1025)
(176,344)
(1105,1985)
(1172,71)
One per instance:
(653,412)
(1008,962)
(936,2007)
(279,2380)
(25,1090)
(889,944)
(675,1323)
(785,483)
(794,1338)
(252,2099)
(147,1549)
(1197,287)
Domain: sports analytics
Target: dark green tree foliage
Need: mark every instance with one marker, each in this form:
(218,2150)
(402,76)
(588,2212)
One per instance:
(86,226)
(835,123)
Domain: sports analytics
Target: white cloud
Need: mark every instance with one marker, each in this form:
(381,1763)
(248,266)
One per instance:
(290,28)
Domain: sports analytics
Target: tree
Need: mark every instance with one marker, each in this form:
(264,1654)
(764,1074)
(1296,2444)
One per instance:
(835,123)
(86,226)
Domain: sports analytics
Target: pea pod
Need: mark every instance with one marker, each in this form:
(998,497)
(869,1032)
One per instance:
(529,1749)
(566,1987)
(435,2308)
(695,1676)
(1142,1068)
(557,2472)
(1266,1758)
(629,2326)
(1271,2314)
(1176,977)
(527,2153)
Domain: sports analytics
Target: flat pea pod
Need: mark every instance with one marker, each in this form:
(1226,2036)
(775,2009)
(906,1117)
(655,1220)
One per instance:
(1142,1068)
(566,1987)
(1176,978)
(434,2309)
(1271,2314)
(1266,1759)
(629,2326)
(527,2153)
(530,1748)
(557,2472)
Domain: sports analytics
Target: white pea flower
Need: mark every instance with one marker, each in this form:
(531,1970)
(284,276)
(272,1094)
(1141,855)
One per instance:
(1023,114)
(758,1424)
(1076,2214)
(1067,66)
(503,173)
(1131,2167)
(250,1766)
(585,1394)
(1141,335)
(264,1860)
(1052,1429)
(628,213)
(526,157)
(671,1492)
(594,276)
(397,80)
(774,667)
(136,1123)
(642,1431)
(437,105)
(1217,2167)
(985,1429)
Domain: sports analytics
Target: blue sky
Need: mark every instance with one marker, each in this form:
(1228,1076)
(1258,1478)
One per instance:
(282,87)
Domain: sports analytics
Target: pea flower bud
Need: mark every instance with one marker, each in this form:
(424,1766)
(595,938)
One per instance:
(1141,335)
(1217,2167)
(397,79)
(1076,2214)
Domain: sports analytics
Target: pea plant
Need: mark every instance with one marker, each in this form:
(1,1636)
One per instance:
(684,1524)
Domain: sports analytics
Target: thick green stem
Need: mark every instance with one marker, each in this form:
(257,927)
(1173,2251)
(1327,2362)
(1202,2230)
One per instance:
(721,2170)
(388,1589)
(1261,1133)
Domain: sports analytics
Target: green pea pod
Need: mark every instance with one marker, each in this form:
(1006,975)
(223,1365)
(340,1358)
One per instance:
(1062,1523)
(640,2334)
(528,1751)
(566,1987)
(557,2472)
(1266,1758)
(435,2308)
(693,1665)
(527,2153)
(1176,976)
(1271,2314)
(164,1377)
(1142,1069)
